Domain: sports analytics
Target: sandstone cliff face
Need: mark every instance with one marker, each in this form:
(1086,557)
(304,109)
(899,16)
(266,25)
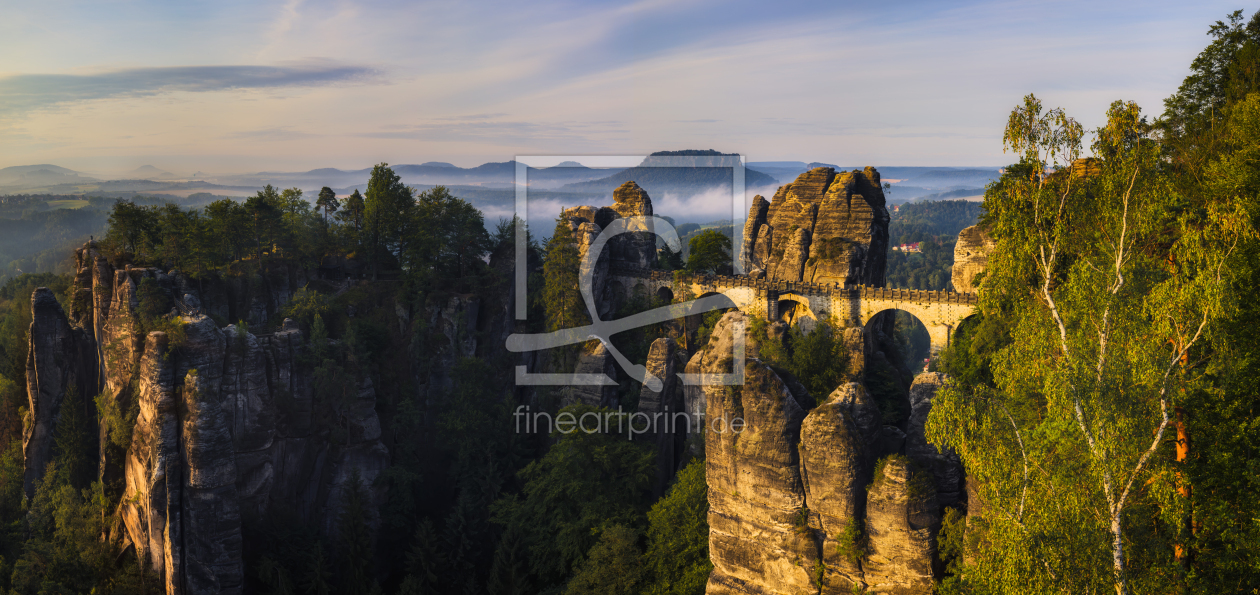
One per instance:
(833,462)
(790,510)
(60,359)
(636,250)
(225,429)
(759,540)
(593,360)
(971,256)
(825,227)
(665,360)
(945,467)
(902,520)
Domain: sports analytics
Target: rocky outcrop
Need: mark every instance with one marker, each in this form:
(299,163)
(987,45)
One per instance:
(946,467)
(635,250)
(60,359)
(902,520)
(594,360)
(638,248)
(754,261)
(825,227)
(228,425)
(971,256)
(833,463)
(668,429)
(759,538)
(796,501)
(861,409)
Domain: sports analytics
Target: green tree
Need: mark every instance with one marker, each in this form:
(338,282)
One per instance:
(1224,73)
(266,217)
(584,484)
(561,296)
(132,228)
(710,253)
(388,211)
(612,567)
(327,202)
(678,536)
(448,238)
(1068,446)
(426,562)
(352,212)
(356,539)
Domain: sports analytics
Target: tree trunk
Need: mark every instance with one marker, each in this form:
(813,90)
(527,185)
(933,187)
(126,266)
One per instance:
(1180,550)
(1117,555)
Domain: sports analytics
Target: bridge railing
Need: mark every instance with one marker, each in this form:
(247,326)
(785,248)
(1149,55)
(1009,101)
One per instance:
(804,287)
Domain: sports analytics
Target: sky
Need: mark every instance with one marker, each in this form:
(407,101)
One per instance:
(230,86)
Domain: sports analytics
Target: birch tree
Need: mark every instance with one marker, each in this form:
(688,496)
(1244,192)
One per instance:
(1112,287)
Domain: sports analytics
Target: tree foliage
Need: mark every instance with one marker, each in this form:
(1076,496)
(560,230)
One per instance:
(1069,442)
(709,253)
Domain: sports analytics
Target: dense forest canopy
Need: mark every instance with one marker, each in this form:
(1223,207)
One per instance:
(934,226)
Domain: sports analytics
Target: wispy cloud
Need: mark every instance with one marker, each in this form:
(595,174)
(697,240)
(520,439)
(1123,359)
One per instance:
(27,92)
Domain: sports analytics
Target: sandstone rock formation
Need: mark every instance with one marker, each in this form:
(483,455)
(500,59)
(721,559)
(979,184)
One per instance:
(833,468)
(60,359)
(635,250)
(665,408)
(902,520)
(790,510)
(759,538)
(638,248)
(225,430)
(825,227)
(946,467)
(594,360)
(971,256)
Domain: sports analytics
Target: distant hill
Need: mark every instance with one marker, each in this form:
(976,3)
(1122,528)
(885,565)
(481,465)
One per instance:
(25,177)
(19,170)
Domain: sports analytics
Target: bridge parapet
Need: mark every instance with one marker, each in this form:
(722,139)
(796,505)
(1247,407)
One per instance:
(802,287)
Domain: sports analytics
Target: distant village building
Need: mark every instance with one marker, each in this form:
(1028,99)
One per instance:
(907,247)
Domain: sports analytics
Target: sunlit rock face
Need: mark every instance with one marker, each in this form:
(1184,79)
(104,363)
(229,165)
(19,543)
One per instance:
(902,521)
(759,539)
(633,250)
(971,256)
(825,227)
(798,502)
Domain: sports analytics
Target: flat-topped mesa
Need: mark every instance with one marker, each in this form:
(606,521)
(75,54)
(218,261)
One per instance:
(825,227)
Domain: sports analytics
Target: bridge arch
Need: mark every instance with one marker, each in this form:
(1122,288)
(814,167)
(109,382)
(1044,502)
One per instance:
(795,309)
(665,294)
(895,322)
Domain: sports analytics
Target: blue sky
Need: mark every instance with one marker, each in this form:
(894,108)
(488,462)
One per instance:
(250,86)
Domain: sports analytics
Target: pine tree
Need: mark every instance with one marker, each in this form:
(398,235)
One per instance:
(509,575)
(356,540)
(562,301)
(425,562)
(327,201)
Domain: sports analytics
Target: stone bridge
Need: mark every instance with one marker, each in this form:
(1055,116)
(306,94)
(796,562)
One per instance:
(802,303)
